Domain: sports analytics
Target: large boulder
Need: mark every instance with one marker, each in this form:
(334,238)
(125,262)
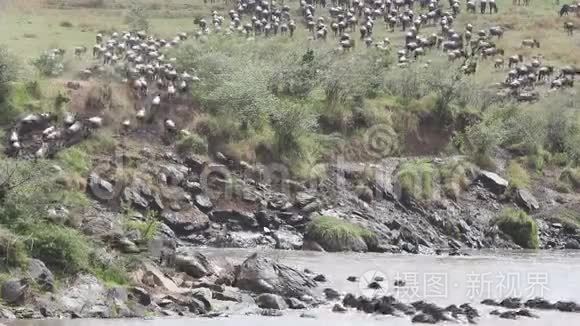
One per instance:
(526,200)
(493,182)
(232,216)
(186,222)
(270,301)
(174,173)
(286,239)
(101,188)
(85,297)
(14,291)
(262,275)
(38,271)
(193,264)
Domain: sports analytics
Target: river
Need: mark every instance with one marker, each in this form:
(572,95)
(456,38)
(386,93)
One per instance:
(440,279)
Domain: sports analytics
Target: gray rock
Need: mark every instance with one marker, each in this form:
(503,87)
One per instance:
(14,291)
(133,196)
(101,188)
(186,222)
(302,199)
(572,244)
(174,173)
(204,295)
(526,200)
(203,202)
(262,275)
(38,271)
(331,294)
(6,314)
(227,295)
(338,307)
(312,246)
(308,315)
(294,303)
(493,182)
(82,295)
(193,264)
(271,312)
(231,216)
(127,246)
(141,295)
(243,239)
(270,301)
(288,240)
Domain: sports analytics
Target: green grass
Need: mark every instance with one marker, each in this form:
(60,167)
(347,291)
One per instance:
(335,234)
(521,228)
(517,176)
(192,143)
(12,250)
(417,179)
(569,218)
(75,160)
(61,248)
(455,177)
(571,177)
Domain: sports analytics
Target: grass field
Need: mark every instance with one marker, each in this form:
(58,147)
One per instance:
(28,27)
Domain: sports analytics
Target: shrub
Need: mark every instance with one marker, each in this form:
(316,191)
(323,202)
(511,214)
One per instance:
(522,228)
(66,24)
(334,234)
(416,180)
(571,177)
(568,217)
(455,177)
(61,248)
(8,72)
(113,273)
(48,64)
(517,176)
(12,250)
(75,160)
(191,143)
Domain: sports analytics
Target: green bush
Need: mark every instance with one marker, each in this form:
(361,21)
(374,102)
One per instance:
(49,65)
(455,177)
(75,160)
(61,248)
(192,143)
(518,177)
(416,180)
(569,218)
(12,250)
(334,234)
(571,177)
(522,228)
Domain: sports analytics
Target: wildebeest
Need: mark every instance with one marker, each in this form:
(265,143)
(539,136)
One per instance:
(569,27)
(531,43)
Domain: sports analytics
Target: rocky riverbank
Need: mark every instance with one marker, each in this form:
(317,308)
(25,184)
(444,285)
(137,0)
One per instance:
(197,285)
(227,203)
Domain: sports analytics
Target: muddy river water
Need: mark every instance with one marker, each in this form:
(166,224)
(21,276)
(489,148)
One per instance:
(439,279)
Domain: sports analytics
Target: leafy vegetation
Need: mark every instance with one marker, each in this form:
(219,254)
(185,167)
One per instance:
(518,177)
(519,226)
(335,234)
(571,177)
(192,143)
(49,64)
(416,180)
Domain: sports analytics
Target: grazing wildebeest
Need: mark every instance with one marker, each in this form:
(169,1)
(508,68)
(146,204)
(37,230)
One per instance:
(569,26)
(531,43)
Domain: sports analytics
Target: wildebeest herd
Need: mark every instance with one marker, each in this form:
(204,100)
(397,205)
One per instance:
(142,61)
